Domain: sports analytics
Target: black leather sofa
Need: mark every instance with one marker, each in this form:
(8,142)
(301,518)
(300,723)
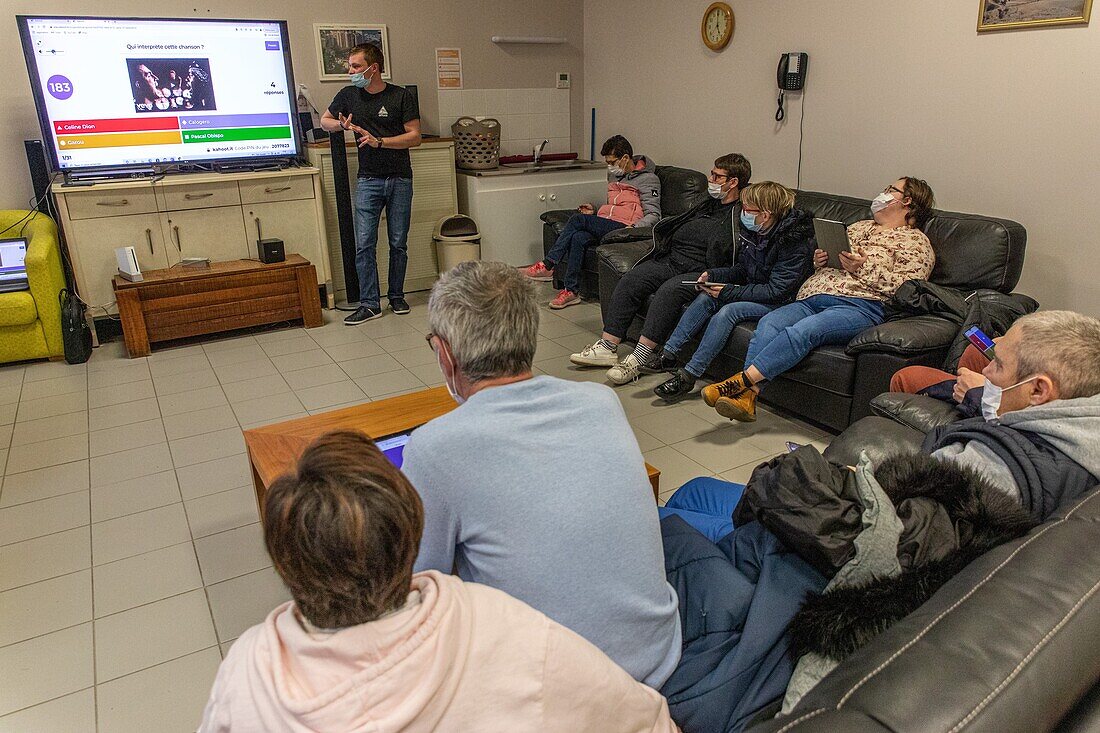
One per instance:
(834,385)
(680,190)
(1012,643)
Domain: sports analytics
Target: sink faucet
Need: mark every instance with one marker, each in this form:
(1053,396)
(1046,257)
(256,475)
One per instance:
(538,151)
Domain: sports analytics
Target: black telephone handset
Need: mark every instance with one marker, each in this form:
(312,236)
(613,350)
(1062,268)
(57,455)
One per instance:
(790,76)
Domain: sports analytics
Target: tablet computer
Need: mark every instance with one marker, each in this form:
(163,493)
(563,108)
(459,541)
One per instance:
(832,236)
(393,447)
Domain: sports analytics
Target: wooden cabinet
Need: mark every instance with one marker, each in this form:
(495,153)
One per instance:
(191,215)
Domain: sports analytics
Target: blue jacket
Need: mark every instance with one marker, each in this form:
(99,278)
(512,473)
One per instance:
(771,274)
(736,599)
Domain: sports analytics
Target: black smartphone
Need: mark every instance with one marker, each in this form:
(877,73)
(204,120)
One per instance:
(982,342)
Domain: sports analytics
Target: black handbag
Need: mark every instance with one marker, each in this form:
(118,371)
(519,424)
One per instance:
(75,333)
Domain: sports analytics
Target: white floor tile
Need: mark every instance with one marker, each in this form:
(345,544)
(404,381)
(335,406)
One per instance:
(124,465)
(315,376)
(210,477)
(7,413)
(61,404)
(119,373)
(381,384)
(241,371)
(243,602)
(197,399)
(198,422)
(194,362)
(172,696)
(45,557)
(185,382)
(110,501)
(367,366)
(145,578)
(672,426)
(49,428)
(120,394)
(229,554)
(722,449)
(72,384)
(401,342)
(43,483)
(675,467)
(240,355)
(45,667)
(251,389)
(30,456)
(44,370)
(206,447)
(101,418)
(267,408)
(43,517)
(73,713)
(429,374)
(314,398)
(299,341)
(135,534)
(126,437)
(301,360)
(219,512)
(414,357)
(44,607)
(353,350)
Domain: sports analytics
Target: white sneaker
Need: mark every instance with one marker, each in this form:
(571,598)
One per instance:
(596,355)
(625,371)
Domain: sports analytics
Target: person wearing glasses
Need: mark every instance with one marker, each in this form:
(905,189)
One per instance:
(573,533)
(835,305)
(683,246)
(775,252)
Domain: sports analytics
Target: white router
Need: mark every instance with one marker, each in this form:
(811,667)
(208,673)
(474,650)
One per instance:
(128,265)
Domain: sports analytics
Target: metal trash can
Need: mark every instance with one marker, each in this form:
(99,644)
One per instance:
(457,239)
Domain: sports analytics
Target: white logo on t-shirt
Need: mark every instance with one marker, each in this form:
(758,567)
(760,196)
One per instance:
(382,112)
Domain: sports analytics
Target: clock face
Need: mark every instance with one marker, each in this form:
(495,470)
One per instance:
(717,26)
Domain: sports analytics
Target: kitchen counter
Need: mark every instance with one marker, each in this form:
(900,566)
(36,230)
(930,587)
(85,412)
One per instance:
(514,169)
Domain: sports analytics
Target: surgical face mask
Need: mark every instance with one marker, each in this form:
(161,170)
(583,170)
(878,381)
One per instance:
(459,399)
(991,398)
(715,190)
(749,222)
(361,79)
(615,171)
(880,202)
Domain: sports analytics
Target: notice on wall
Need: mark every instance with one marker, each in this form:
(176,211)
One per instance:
(448,68)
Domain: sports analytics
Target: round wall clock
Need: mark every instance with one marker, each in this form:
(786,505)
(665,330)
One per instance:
(717,26)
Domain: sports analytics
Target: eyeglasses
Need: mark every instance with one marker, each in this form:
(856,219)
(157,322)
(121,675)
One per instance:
(429,338)
(715,176)
(894,188)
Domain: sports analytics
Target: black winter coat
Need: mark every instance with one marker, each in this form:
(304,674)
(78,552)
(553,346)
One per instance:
(719,248)
(787,263)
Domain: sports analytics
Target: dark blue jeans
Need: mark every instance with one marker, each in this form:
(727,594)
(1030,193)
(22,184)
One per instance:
(722,320)
(581,232)
(394,194)
(786,335)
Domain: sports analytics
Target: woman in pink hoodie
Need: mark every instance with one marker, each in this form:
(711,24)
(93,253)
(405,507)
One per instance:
(367,646)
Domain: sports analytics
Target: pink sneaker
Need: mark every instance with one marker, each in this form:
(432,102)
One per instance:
(538,272)
(564,299)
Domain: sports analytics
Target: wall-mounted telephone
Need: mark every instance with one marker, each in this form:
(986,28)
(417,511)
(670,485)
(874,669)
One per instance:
(790,76)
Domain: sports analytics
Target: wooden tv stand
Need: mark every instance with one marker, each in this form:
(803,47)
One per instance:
(180,301)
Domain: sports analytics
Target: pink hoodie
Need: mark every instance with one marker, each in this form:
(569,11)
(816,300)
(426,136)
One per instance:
(465,658)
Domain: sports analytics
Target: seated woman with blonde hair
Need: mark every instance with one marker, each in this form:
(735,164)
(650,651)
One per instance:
(367,646)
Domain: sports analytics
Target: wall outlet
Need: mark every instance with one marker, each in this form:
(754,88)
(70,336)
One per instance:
(563,80)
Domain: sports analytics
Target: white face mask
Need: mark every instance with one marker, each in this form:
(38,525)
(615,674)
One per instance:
(991,398)
(459,399)
(715,190)
(615,171)
(882,201)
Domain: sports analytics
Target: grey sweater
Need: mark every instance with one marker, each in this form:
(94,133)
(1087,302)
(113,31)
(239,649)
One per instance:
(538,488)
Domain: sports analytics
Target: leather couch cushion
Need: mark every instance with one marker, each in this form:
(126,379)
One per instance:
(681,188)
(916,411)
(827,367)
(17,309)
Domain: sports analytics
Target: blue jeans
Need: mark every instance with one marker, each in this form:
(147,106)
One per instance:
(786,335)
(722,320)
(580,232)
(371,196)
(707,504)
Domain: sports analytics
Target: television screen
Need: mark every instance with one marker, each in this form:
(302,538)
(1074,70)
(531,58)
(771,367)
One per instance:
(148,91)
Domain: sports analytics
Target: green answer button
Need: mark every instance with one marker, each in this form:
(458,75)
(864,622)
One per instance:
(237,133)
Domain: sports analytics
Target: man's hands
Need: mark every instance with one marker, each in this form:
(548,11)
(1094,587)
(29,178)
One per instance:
(365,138)
(821,258)
(703,287)
(586,209)
(851,262)
(966,381)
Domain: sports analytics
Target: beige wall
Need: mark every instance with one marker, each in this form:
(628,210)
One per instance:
(1005,124)
(416,29)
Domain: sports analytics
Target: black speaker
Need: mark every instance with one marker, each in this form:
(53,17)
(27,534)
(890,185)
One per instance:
(344,217)
(40,176)
(270,250)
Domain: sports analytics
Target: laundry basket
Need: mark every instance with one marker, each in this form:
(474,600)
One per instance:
(457,239)
(477,143)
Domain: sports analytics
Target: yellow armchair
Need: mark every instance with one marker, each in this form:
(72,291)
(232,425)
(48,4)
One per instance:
(30,321)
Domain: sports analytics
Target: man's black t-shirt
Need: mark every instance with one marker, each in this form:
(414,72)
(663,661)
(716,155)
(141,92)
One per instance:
(691,241)
(382,115)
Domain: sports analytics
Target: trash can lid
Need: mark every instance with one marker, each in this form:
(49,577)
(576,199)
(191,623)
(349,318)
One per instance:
(458,225)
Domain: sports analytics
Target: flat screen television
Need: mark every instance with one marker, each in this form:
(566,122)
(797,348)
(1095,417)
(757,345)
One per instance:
(116,93)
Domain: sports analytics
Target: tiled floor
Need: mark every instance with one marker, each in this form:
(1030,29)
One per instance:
(130,552)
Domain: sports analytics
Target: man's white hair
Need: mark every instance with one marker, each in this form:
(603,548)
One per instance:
(1063,345)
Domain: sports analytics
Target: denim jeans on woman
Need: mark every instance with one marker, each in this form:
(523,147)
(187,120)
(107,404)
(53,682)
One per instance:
(786,335)
(581,232)
(722,319)
(394,194)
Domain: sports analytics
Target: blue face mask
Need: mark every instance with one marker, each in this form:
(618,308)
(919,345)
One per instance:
(749,222)
(360,80)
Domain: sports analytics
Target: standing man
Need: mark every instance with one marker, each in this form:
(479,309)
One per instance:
(386,122)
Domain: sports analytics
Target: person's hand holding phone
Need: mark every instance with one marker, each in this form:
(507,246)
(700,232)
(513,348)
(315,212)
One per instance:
(703,286)
(821,258)
(852,262)
(586,209)
(967,380)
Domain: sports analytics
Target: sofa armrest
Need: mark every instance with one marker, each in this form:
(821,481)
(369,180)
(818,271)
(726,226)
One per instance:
(46,278)
(557,218)
(628,234)
(879,437)
(906,336)
(919,412)
(621,256)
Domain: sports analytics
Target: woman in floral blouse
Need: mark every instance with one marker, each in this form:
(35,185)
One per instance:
(835,305)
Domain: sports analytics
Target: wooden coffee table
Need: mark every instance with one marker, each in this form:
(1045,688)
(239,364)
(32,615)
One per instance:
(274,449)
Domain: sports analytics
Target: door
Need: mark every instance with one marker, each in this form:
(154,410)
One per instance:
(294,222)
(93,243)
(216,233)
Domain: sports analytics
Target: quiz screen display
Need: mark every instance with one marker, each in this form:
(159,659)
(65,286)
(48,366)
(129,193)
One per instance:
(135,92)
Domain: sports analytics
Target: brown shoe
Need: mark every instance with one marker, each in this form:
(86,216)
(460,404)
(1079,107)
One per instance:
(741,408)
(732,387)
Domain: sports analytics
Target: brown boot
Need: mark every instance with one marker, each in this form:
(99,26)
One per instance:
(741,408)
(732,387)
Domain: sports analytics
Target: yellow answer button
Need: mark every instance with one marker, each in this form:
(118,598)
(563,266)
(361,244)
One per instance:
(120,139)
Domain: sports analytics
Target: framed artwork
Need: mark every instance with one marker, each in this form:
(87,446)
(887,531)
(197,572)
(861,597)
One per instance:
(334,40)
(997,15)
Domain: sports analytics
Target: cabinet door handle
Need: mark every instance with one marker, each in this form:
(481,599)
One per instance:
(120,202)
(553,197)
(176,231)
(259,231)
(280,189)
(149,239)
(193,196)
(542,197)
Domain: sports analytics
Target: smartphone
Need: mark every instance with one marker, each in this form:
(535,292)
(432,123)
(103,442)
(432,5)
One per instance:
(792,447)
(704,285)
(982,342)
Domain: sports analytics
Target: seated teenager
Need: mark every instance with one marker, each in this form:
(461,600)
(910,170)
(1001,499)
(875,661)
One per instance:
(774,257)
(535,485)
(367,645)
(683,246)
(633,199)
(835,305)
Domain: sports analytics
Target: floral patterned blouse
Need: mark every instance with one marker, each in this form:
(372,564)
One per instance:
(893,256)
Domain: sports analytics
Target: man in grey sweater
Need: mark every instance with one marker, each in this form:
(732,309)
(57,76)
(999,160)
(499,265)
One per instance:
(573,534)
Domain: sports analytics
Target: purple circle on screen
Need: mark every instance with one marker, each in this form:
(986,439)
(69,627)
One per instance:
(59,87)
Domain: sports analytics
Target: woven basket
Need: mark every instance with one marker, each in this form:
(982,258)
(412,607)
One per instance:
(477,143)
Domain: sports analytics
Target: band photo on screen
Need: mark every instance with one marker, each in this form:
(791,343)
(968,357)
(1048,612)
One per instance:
(164,85)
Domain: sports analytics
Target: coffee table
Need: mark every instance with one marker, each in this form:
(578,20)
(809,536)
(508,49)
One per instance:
(274,449)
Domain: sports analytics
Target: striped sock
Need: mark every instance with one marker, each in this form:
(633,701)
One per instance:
(643,353)
(605,344)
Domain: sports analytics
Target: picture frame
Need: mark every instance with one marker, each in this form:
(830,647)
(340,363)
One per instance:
(1001,15)
(333,41)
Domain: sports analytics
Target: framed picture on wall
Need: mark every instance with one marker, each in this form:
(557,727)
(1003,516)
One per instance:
(997,15)
(334,40)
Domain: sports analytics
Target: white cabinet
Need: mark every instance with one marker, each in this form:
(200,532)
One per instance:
(191,215)
(507,206)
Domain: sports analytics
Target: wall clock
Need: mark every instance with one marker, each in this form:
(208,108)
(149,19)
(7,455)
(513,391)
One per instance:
(717,28)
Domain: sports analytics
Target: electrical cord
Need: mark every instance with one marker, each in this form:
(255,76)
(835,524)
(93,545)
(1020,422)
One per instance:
(801,121)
